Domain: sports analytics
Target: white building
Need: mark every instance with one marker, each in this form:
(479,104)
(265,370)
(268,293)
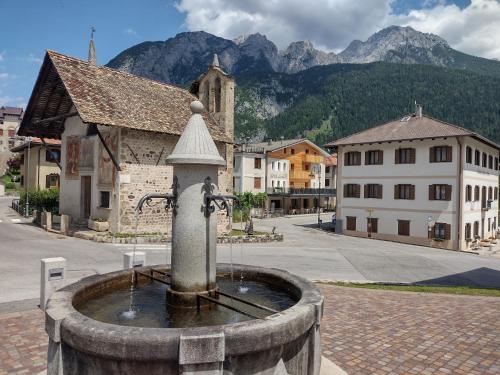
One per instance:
(418,180)
(10,118)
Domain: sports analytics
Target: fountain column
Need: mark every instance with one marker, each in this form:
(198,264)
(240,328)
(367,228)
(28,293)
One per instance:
(195,160)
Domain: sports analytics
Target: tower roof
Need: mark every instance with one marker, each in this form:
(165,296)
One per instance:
(196,146)
(215,61)
(92,58)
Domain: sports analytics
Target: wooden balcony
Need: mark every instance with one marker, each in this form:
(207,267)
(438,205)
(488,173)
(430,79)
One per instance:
(316,159)
(299,175)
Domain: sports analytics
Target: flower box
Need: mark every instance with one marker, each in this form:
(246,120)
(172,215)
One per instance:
(98,225)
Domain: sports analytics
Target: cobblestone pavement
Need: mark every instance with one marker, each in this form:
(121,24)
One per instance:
(364,332)
(386,332)
(23,343)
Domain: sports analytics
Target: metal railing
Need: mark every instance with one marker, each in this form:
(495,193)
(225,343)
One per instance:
(302,191)
(20,208)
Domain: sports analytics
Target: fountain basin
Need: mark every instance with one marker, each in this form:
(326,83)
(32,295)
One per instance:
(286,342)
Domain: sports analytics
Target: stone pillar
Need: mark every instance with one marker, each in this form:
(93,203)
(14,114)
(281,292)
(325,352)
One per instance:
(48,220)
(194,230)
(202,354)
(65,219)
(193,251)
(2,190)
(52,275)
(130,261)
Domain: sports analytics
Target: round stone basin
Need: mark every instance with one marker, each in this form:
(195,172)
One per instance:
(88,333)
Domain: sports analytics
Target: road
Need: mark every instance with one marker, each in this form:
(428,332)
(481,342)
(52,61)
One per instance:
(313,254)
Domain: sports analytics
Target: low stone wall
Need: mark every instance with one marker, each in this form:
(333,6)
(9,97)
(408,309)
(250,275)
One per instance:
(106,237)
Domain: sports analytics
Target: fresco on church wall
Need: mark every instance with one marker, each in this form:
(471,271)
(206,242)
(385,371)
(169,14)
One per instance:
(106,167)
(72,157)
(87,153)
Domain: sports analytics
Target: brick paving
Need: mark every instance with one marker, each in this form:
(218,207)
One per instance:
(23,342)
(387,333)
(364,332)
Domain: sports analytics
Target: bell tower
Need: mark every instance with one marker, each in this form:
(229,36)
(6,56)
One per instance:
(215,89)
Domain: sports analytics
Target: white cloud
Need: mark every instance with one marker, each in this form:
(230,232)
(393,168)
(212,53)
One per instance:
(475,29)
(4,76)
(129,31)
(329,23)
(33,59)
(17,101)
(2,55)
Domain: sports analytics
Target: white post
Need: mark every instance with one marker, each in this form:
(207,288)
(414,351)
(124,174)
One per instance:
(130,261)
(53,273)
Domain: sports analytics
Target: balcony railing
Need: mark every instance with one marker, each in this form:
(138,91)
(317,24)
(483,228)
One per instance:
(301,191)
(299,175)
(316,159)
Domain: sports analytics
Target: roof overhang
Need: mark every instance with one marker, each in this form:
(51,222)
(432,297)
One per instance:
(304,140)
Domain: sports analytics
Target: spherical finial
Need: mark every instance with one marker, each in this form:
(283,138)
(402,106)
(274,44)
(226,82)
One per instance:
(196,106)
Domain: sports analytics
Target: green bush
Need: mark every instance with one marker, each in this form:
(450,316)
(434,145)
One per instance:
(240,215)
(10,186)
(42,200)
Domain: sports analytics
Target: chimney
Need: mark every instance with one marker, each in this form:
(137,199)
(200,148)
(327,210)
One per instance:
(92,55)
(418,110)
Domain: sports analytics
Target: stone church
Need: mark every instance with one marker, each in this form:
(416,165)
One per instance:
(116,130)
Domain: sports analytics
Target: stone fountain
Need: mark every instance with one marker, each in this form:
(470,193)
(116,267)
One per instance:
(188,317)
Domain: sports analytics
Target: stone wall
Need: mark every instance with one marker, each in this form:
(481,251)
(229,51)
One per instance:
(144,170)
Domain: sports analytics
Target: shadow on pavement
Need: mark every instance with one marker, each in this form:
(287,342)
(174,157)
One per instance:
(479,277)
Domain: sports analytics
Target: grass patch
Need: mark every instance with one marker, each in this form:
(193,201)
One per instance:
(10,186)
(239,233)
(465,290)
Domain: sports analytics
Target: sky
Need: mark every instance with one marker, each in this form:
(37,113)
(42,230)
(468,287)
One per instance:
(29,27)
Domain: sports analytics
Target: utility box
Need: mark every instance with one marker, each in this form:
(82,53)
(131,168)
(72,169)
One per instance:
(52,276)
(130,261)
(338,226)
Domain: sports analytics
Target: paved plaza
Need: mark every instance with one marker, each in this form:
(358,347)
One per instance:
(313,254)
(364,332)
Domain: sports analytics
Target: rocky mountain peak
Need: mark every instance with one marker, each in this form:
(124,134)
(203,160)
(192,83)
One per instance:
(384,44)
(184,57)
(302,55)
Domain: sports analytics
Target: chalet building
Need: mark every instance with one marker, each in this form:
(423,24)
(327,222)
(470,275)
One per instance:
(10,118)
(290,171)
(418,180)
(40,163)
(116,130)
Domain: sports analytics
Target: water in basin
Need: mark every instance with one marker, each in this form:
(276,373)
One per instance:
(145,305)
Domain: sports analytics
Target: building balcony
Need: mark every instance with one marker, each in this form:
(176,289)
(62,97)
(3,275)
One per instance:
(299,175)
(301,191)
(316,159)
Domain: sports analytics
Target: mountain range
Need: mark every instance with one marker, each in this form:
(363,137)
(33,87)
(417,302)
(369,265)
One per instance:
(273,83)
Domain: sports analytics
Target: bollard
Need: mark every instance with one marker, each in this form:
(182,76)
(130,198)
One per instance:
(48,219)
(65,224)
(130,261)
(43,221)
(53,273)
